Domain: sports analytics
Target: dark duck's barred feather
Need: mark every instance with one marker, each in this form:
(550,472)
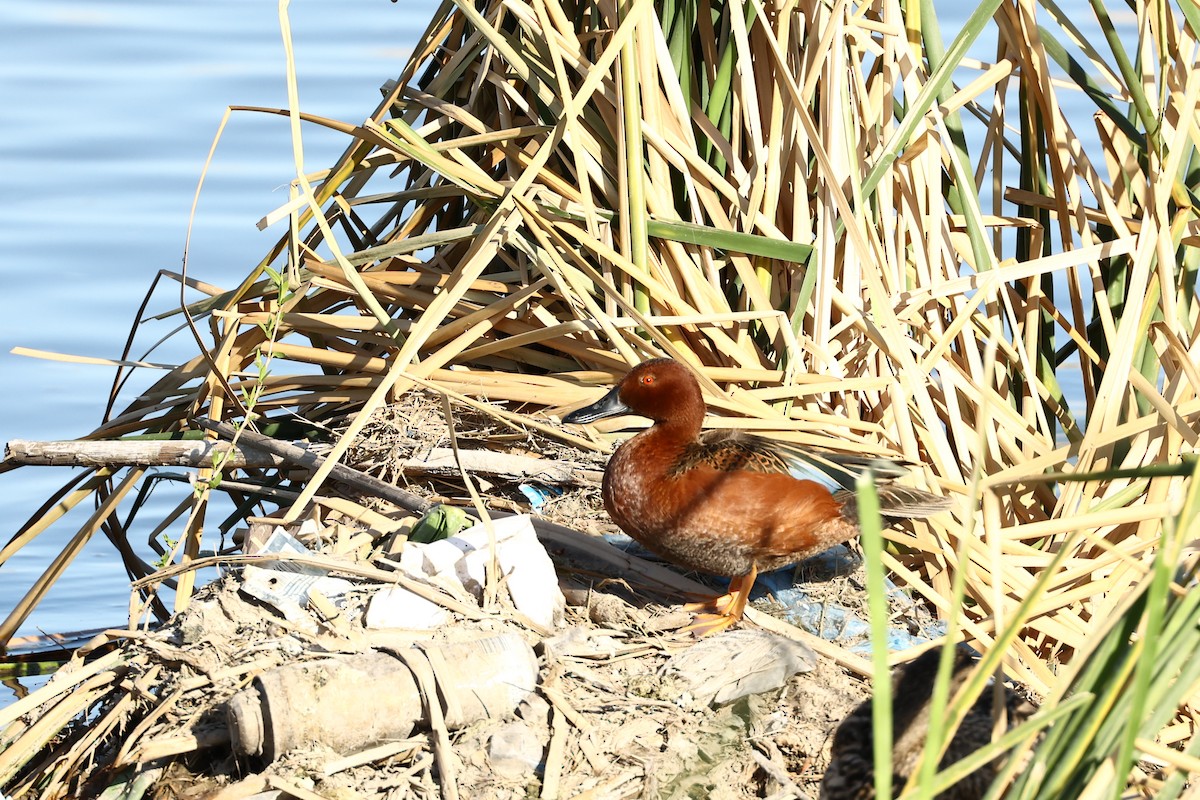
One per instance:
(851,772)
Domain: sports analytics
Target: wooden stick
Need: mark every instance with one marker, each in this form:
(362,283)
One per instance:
(555,756)
(305,458)
(134,453)
(439,461)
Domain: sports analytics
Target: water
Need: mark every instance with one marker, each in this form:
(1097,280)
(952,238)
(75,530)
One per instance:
(107,112)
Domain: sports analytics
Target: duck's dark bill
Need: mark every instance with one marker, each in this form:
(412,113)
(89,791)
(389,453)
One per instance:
(608,406)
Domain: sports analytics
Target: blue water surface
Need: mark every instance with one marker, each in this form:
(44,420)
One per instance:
(107,113)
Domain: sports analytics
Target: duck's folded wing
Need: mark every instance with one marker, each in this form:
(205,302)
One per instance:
(730,450)
(900,502)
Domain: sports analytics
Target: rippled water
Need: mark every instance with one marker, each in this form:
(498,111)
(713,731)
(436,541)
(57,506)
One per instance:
(107,112)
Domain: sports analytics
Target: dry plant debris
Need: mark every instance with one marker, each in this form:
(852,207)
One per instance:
(606,719)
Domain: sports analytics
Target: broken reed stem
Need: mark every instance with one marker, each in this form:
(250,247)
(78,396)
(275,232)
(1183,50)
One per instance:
(422,669)
(492,572)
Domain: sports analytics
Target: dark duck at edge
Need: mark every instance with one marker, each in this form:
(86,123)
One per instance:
(727,502)
(851,772)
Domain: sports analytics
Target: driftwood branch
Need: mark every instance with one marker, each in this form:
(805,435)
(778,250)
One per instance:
(438,462)
(256,450)
(305,458)
(134,454)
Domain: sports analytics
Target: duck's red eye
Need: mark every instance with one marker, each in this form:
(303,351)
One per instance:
(647,380)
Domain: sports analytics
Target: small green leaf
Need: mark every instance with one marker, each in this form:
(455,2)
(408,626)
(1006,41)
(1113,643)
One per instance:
(735,241)
(440,522)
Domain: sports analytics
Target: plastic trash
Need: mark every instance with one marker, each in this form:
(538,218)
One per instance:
(458,563)
(352,702)
(538,493)
(285,585)
(515,750)
(396,607)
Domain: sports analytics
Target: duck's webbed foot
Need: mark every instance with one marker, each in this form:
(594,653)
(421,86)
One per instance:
(719,613)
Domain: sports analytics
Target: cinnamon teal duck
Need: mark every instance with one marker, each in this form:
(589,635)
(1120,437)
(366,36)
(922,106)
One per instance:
(727,502)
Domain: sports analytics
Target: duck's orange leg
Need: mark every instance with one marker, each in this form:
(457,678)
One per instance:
(728,607)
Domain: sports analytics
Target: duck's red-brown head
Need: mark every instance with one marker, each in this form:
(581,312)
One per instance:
(663,389)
